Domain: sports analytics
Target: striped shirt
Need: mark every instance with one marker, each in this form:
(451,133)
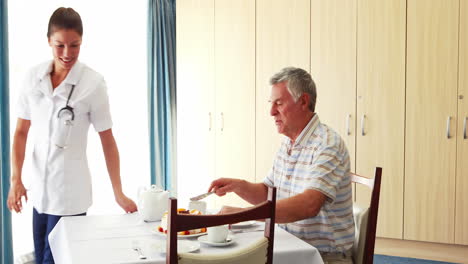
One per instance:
(317,160)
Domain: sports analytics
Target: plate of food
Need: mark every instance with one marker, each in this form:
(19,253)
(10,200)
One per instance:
(189,233)
(162,229)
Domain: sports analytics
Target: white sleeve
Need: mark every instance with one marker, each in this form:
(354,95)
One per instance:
(100,115)
(23,109)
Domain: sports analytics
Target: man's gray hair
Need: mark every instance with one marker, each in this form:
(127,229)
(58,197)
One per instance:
(298,82)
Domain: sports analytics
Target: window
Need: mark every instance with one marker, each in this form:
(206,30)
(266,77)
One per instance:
(114,44)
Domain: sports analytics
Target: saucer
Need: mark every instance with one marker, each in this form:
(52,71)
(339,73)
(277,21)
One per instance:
(244,224)
(204,240)
(183,246)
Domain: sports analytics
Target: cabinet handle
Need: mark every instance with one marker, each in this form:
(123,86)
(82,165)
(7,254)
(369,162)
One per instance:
(209,121)
(464,128)
(448,126)
(222,121)
(363,118)
(348,130)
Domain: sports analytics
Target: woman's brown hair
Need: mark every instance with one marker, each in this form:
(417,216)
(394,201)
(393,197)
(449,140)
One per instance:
(65,18)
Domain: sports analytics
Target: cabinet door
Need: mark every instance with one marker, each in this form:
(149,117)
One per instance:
(283,39)
(461,220)
(235,92)
(333,66)
(195,97)
(431,98)
(381,99)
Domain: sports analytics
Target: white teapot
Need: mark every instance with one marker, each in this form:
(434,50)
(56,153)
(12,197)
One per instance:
(152,203)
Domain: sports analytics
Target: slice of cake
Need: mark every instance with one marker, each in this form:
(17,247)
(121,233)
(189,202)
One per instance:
(163,227)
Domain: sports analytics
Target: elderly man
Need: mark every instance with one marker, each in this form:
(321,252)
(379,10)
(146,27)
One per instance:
(310,171)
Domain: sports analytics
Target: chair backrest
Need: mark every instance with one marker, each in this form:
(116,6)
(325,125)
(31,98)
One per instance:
(253,254)
(27,258)
(366,220)
(181,222)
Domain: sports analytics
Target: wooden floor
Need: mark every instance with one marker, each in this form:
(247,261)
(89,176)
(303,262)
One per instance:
(421,250)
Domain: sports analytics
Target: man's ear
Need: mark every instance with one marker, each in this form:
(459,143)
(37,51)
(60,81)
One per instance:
(304,100)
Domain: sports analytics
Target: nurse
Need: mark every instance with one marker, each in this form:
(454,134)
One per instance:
(61,98)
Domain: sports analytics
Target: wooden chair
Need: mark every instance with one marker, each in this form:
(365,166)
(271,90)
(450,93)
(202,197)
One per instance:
(366,220)
(27,258)
(181,222)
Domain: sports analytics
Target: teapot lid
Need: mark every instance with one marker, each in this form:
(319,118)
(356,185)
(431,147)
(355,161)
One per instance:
(155,188)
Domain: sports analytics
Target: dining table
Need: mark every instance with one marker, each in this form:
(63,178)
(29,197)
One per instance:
(113,239)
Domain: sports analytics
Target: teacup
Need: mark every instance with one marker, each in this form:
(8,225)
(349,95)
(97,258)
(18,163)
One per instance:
(198,205)
(218,234)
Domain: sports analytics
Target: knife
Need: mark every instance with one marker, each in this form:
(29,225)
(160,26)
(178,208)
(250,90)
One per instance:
(246,230)
(201,196)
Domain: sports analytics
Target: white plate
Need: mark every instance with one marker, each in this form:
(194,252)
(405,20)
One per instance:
(245,224)
(155,231)
(204,240)
(183,246)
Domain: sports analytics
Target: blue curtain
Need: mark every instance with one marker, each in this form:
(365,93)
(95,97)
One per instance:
(6,254)
(161,90)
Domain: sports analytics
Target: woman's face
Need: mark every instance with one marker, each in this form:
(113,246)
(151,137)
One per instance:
(65,44)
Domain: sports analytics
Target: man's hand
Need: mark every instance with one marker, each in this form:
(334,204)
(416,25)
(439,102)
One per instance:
(253,193)
(17,191)
(222,186)
(126,203)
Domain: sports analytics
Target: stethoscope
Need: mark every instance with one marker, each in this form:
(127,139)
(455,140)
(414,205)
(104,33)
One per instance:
(67,109)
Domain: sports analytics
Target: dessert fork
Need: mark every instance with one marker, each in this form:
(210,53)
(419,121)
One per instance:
(136,247)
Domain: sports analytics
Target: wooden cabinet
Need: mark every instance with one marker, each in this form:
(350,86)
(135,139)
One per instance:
(195,97)
(235,92)
(358,63)
(283,39)
(431,113)
(333,66)
(461,204)
(381,106)
(216,95)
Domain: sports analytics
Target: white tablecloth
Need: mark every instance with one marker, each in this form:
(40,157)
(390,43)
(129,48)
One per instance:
(109,239)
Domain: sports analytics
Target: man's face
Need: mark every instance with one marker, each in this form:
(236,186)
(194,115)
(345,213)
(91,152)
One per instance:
(285,111)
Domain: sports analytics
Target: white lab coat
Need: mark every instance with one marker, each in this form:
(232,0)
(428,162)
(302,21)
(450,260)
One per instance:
(61,181)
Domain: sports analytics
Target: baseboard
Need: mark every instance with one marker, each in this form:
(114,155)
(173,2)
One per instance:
(421,250)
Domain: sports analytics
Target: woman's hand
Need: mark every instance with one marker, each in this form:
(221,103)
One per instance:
(17,191)
(126,203)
